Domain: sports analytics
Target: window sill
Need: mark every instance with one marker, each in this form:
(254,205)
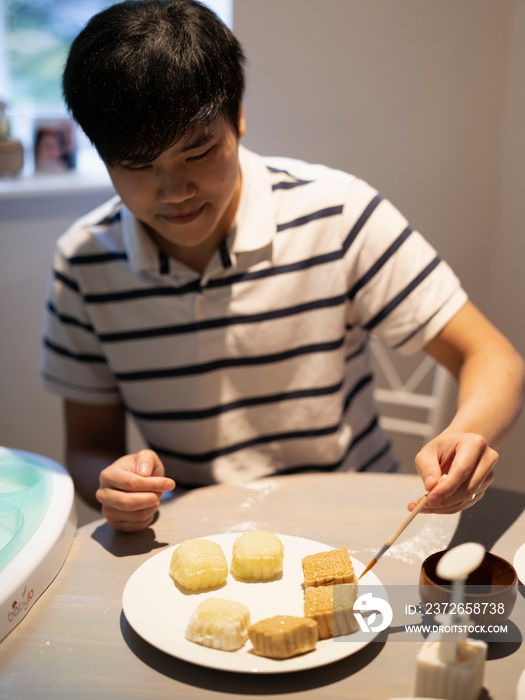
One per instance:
(36,184)
(89,175)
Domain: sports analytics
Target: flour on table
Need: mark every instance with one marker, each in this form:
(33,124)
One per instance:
(412,550)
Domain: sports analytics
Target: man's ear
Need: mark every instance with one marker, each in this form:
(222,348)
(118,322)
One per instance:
(241,122)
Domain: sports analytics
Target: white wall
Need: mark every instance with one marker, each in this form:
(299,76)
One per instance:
(423,99)
(506,279)
(29,227)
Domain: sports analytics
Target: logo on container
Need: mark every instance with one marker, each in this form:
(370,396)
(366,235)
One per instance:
(18,607)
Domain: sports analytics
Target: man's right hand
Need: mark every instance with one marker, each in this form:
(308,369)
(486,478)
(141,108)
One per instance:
(130,490)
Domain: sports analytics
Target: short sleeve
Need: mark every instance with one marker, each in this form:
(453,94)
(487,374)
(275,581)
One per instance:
(399,288)
(72,361)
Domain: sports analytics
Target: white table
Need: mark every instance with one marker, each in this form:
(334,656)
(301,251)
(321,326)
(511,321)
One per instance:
(76,643)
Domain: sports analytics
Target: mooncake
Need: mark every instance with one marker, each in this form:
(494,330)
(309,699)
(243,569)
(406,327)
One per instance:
(328,568)
(332,608)
(283,636)
(257,556)
(199,564)
(220,624)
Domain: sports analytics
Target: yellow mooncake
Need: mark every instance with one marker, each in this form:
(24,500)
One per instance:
(199,564)
(257,556)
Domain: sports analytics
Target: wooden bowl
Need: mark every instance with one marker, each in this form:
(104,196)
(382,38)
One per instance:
(490,592)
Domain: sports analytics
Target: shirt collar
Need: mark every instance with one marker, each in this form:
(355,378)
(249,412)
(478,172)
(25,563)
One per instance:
(255,224)
(143,253)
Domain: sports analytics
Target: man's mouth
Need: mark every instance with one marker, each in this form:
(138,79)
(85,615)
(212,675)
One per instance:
(183,217)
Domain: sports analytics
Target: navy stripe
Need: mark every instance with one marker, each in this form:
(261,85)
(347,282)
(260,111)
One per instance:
(96,258)
(66,280)
(59,350)
(164,263)
(305,264)
(225,255)
(131,294)
(382,452)
(334,466)
(308,468)
(241,403)
(358,387)
(403,294)
(222,322)
(419,328)
(284,185)
(78,387)
(389,252)
(265,439)
(259,440)
(355,353)
(188,370)
(195,287)
(111,218)
(374,423)
(356,228)
(69,320)
(314,216)
(277,270)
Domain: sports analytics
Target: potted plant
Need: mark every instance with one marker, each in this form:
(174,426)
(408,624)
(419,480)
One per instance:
(11,150)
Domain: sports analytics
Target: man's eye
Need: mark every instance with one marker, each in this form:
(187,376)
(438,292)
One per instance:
(201,155)
(139,168)
(136,168)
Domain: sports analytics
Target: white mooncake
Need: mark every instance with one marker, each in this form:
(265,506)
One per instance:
(257,556)
(220,624)
(199,564)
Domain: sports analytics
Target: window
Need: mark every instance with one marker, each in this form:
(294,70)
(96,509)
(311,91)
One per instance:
(38,34)
(34,40)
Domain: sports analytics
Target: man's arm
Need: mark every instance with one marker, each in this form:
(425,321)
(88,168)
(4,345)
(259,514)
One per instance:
(95,437)
(128,487)
(490,374)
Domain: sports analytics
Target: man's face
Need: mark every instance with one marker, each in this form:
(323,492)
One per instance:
(188,196)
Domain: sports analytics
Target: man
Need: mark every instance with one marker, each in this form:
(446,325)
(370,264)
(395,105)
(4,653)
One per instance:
(225,300)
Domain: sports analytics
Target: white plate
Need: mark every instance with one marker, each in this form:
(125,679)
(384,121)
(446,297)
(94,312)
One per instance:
(159,611)
(520,690)
(519,563)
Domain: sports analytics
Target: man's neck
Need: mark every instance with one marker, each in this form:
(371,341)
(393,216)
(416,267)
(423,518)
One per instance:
(195,257)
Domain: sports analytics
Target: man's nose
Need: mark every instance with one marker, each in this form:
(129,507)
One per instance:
(175,188)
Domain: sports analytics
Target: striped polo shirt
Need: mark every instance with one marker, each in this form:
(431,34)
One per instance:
(261,364)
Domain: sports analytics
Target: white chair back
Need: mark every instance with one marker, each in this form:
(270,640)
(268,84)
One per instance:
(417,404)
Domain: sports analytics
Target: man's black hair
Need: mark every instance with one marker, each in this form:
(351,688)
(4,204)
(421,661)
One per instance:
(143,73)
